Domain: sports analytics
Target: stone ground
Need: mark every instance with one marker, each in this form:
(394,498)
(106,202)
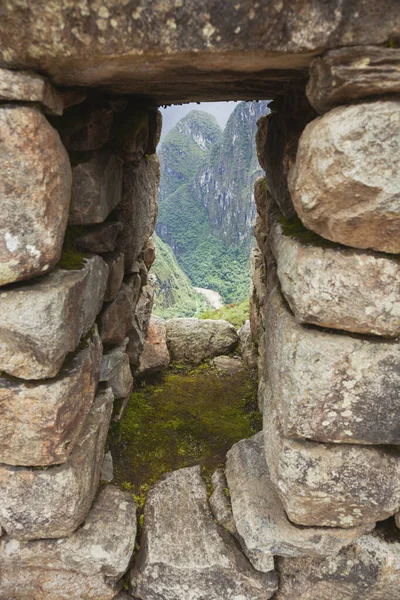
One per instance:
(182,418)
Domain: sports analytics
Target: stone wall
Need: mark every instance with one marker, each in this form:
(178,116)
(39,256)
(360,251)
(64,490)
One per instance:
(79,185)
(324,313)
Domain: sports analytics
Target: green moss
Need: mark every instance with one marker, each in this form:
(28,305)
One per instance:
(294,228)
(71,259)
(187,417)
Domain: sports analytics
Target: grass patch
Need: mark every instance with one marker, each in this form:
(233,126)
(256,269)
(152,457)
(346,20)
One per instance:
(237,314)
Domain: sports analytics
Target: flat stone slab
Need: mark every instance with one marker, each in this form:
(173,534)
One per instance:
(43,320)
(25,86)
(341,188)
(41,421)
(87,565)
(53,502)
(194,340)
(331,485)
(184,555)
(260,519)
(35,193)
(338,287)
(228,364)
(345,75)
(330,387)
(369,569)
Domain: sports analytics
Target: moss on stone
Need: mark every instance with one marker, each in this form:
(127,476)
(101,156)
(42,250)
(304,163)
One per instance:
(294,228)
(71,259)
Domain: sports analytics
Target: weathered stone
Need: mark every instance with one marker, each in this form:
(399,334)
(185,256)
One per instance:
(345,183)
(184,554)
(261,522)
(144,307)
(178,53)
(123,596)
(43,320)
(220,503)
(135,344)
(345,75)
(85,566)
(115,262)
(85,127)
(155,127)
(284,127)
(261,139)
(247,348)
(115,370)
(228,364)
(138,209)
(331,387)
(131,134)
(134,281)
(340,288)
(35,193)
(99,238)
(41,421)
(107,469)
(397,519)
(116,318)
(149,253)
(154,356)
(120,409)
(194,340)
(72,96)
(262,199)
(369,569)
(331,485)
(25,86)
(97,186)
(52,503)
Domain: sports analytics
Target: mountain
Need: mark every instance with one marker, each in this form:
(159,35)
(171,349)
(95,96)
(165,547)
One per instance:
(206,203)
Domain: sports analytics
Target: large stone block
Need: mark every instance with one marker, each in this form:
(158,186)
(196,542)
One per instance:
(25,86)
(183,553)
(131,133)
(194,340)
(338,287)
(331,387)
(34,195)
(345,183)
(116,371)
(260,519)
(154,356)
(115,320)
(115,262)
(346,75)
(155,127)
(85,566)
(85,127)
(41,421)
(99,238)
(369,569)
(52,503)
(97,186)
(138,209)
(43,320)
(331,485)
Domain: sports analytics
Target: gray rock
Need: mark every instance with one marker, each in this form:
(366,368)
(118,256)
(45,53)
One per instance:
(369,569)
(115,320)
(397,519)
(131,133)
(345,75)
(260,519)
(330,387)
(85,127)
(115,262)
(115,370)
(52,503)
(134,51)
(123,596)
(43,320)
(35,196)
(228,364)
(340,188)
(149,254)
(220,503)
(331,485)
(87,565)
(138,209)
(144,307)
(107,470)
(134,281)
(99,238)
(25,86)
(184,555)
(135,344)
(247,348)
(261,138)
(194,340)
(339,288)
(154,356)
(97,186)
(41,421)
(155,127)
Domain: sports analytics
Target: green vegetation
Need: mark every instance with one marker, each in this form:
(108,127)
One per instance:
(294,228)
(187,417)
(237,314)
(71,259)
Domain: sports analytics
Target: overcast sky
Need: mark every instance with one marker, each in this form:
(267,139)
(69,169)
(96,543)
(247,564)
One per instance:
(173,114)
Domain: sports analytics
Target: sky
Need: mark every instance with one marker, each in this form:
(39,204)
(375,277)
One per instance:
(173,114)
